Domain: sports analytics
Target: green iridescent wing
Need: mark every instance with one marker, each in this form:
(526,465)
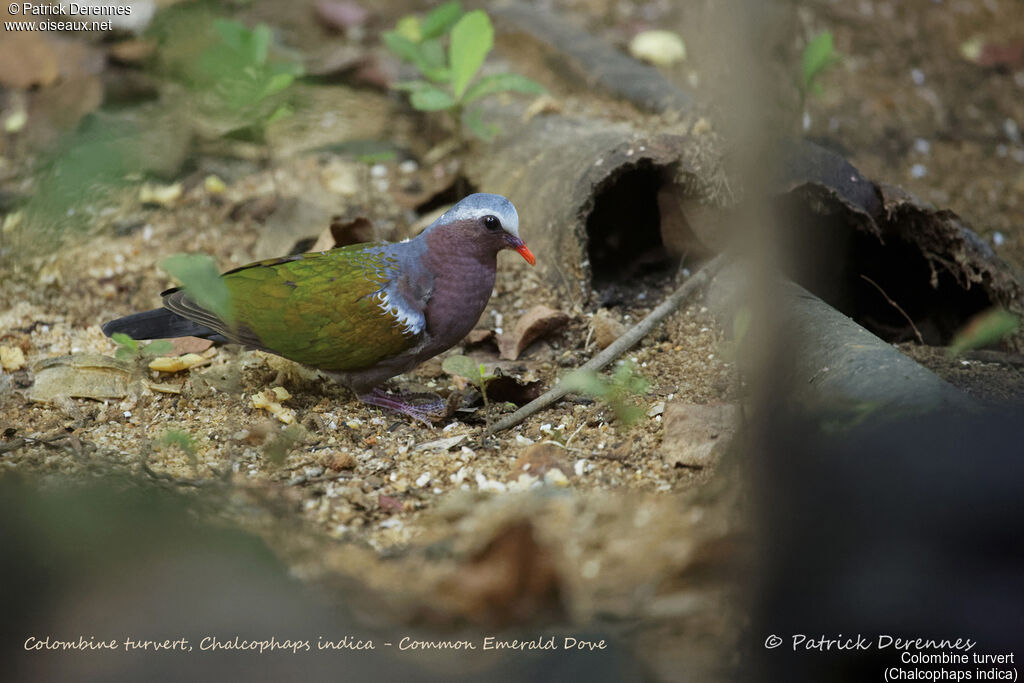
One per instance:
(320,309)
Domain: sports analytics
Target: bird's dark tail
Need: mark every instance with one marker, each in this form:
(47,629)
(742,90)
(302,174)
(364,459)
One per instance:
(157,324)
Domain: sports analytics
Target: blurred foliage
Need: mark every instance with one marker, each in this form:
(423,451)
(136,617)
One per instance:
(466,367)
(818,56)
(235,73)
(617,391)
(130,349)
(201,280)
(984,329)
(180,438)
(447,82)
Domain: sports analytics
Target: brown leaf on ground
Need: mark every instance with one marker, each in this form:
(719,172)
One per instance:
(182,345)
(478,336)
(537,322)
(512,580)
(342,232)
(697,435)
(81,375)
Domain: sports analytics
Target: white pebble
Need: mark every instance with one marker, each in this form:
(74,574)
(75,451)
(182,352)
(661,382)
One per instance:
(918,171)
(922,146)
(998,238)
(917,76)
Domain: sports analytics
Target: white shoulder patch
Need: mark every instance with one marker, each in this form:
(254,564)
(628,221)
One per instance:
(411,322)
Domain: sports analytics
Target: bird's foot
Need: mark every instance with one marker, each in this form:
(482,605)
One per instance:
(431,410)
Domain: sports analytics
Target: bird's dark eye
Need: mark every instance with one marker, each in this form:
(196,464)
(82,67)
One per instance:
(492,223)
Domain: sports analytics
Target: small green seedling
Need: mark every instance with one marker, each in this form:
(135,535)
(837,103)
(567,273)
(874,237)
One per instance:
(449,82)
(276,448)
(463,366)
(131,350)
(984,329)
(818,57)
(617,391)
(201,280)
(238,79)
(180,438)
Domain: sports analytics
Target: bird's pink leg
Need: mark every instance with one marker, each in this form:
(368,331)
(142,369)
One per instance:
(426,413)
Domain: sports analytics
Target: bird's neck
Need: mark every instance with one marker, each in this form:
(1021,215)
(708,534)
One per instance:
(463,281)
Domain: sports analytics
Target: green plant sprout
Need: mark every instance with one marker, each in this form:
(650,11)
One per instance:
(449,82)
(131,350)
(617,391)
(180,438)
(818,56)
(984,329)
(464,366)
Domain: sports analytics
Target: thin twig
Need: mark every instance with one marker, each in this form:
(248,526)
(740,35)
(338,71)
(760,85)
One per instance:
(620,345)
(917,333)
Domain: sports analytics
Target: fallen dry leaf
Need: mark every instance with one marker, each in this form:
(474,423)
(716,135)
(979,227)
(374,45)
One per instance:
(478,336)
(342,232)
(697,435)
(268,400)
(183,345)
(178,363)
(82,375)
(537,322)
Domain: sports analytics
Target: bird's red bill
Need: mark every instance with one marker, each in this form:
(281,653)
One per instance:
(526,253)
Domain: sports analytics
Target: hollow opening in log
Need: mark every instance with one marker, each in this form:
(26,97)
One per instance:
(624,228)
(881,286)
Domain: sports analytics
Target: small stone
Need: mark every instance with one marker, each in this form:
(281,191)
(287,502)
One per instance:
(11,358)
(539,459)
(696,435)
(661,48)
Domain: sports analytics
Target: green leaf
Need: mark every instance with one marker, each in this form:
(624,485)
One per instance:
(259,44)
(462,366)
(984,329)
(276,84)
(157,348)
(818,55)
(472,39)
(431,99)
(182,439)
(489,85)
(123,340)
(484,131)
(404,49)
(281,112)
(585,382)
(440,19)
(432,52)
(410,86)
(201,280)
(409,27)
